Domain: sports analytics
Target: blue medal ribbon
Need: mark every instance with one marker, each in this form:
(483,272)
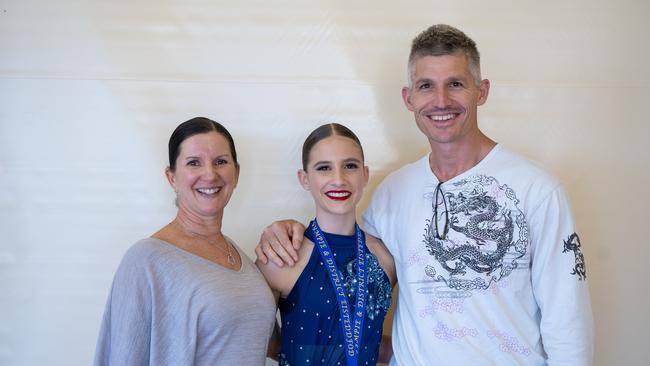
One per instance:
(352,328)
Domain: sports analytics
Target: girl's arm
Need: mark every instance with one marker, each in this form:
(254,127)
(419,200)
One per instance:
(385,349)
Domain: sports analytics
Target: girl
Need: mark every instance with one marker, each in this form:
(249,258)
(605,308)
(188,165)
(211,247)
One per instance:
(333,301)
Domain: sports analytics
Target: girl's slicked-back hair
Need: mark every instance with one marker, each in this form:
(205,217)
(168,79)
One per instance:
(322,132)
(195,126)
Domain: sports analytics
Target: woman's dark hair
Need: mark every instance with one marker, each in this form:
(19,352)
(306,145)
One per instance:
(323,132)
(195,126)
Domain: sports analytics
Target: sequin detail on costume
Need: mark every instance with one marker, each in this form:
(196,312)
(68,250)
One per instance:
(377,284)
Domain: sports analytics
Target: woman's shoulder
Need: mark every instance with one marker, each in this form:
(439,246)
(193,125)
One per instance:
(140,260)
(147,247)
(146,251)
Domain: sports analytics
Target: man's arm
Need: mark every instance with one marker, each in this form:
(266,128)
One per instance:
(280,242)
(560,284)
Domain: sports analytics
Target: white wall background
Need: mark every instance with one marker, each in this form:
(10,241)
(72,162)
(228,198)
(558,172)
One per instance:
(91,90)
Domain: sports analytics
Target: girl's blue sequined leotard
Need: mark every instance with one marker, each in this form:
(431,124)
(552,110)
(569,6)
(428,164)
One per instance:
(311,326)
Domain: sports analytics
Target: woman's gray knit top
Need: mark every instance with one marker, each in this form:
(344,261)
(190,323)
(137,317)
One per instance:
(170,307)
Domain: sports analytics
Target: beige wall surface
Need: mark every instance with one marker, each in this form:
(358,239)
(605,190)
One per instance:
(91,90)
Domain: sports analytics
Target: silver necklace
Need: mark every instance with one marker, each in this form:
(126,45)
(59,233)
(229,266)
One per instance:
(229,256)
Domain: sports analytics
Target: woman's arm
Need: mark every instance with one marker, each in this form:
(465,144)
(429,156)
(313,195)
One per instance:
(273,351)
(124,337)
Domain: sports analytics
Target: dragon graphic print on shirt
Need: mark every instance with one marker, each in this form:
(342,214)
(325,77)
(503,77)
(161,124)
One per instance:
(573,244)
(487,235)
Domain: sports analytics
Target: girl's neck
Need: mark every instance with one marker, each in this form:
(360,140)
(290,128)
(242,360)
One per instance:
(337,224)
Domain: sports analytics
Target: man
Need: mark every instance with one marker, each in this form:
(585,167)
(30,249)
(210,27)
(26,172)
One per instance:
(488,260)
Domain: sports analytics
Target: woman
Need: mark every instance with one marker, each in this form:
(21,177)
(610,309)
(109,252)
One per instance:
(188,295)
(333,301)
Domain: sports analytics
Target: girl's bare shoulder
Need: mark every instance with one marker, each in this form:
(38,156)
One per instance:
(386,261)
(282,279)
